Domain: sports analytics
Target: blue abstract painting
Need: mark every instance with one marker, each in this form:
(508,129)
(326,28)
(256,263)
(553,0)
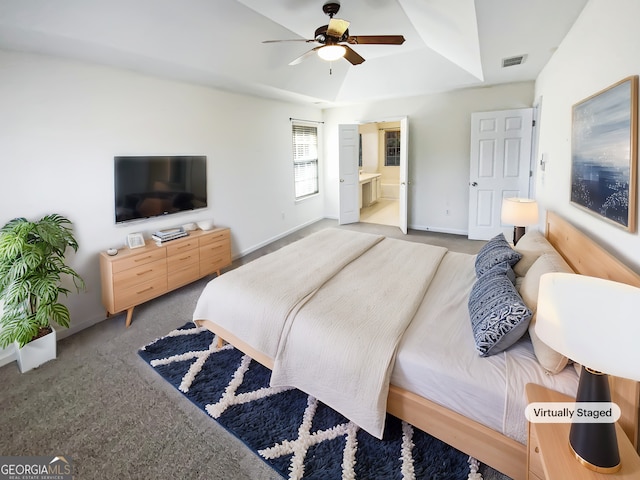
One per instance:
(603,156)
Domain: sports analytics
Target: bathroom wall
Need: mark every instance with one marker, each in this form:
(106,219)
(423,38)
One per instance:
(390,176)
(370,147)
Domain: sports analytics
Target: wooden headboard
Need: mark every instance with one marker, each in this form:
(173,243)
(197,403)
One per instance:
(588,258)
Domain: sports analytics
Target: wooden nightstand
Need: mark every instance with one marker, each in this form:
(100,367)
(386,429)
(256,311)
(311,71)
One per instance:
(549,456)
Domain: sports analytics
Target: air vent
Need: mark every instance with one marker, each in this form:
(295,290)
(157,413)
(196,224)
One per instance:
(511,61)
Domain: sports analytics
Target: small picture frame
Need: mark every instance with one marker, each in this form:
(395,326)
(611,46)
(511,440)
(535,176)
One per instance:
(135,240)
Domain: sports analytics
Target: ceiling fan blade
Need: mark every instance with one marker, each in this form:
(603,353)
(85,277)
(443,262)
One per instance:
(351,55)
(337,27)
(305,55)
(376,40)
(289,40)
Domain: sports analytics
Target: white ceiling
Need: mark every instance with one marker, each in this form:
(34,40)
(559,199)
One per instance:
(450,44)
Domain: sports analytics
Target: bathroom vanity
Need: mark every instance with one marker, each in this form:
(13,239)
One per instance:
(369,188)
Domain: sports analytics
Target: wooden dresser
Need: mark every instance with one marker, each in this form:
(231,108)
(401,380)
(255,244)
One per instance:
(135,276)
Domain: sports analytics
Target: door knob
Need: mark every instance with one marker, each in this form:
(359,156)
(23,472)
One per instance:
(342,180)
(474,184)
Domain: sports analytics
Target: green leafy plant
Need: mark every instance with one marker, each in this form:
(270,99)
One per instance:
(32,268)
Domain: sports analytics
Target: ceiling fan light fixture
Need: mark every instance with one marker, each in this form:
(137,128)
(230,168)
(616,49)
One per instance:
(331,52)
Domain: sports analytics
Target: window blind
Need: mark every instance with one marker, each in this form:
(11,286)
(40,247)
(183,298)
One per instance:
(305,160)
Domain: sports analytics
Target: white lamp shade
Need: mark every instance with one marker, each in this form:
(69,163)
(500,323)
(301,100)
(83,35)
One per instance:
(592,321)
(331,52)
(519,211)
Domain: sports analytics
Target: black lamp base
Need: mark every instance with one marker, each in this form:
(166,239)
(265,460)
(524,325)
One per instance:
(595,445)
(518,232)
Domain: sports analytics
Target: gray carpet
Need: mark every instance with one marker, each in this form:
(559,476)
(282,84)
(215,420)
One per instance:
(101,405)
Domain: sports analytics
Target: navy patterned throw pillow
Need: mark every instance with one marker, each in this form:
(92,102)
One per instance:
(499,316)
(495,251)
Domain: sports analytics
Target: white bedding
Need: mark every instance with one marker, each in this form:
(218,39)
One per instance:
(436,355)
(446,368)
(265,291)
(340,344)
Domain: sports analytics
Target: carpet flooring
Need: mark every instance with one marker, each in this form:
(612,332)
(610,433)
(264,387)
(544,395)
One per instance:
(292,432)
(99,404)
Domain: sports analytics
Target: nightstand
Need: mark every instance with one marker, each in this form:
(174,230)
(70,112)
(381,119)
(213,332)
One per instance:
(549,456)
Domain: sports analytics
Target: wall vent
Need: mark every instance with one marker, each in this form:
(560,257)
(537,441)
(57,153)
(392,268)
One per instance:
(511,61)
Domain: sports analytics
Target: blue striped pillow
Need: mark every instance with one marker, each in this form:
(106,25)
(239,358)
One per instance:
(495,251)
(499,316)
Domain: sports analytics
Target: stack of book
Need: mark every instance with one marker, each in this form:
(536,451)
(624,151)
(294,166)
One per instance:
(162,236)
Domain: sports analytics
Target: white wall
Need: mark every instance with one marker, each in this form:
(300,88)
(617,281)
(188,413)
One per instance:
(439,139)
(601,48)
(62,122)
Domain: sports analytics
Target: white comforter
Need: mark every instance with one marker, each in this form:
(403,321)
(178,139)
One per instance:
(253,302)
(339,346)
(331,319)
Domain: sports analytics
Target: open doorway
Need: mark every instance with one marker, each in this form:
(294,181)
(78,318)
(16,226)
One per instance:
(379,168)
(373,175)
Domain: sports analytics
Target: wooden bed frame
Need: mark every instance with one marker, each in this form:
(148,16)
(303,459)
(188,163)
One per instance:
(489,446)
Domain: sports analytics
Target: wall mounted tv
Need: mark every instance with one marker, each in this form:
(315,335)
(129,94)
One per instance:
(151,186)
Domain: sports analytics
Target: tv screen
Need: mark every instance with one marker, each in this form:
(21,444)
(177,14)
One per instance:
(151,186)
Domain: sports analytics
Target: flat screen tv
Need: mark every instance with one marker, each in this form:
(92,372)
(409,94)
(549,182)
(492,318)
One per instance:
(151,186)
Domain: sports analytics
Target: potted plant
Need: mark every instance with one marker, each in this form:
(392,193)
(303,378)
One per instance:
(32,270)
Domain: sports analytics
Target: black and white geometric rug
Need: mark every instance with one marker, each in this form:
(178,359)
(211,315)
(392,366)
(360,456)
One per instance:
(292,432)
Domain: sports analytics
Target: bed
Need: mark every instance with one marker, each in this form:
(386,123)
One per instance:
(421,357)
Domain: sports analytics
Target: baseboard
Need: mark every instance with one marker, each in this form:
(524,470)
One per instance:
(7,355)
(277,237)
(452,231)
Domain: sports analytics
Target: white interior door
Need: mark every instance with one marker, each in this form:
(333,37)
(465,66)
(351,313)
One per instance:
(348,172)
(499,167)
(404,174)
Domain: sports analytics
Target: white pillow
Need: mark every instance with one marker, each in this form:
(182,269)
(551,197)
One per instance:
(530,246)
(552,361)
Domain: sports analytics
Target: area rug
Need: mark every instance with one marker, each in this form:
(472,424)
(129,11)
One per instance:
(295,434)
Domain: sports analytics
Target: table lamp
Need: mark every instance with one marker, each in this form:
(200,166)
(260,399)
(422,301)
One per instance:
(595,323)
(519,212)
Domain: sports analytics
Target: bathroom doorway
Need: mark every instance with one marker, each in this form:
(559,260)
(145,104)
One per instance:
(380,156)
(363,186)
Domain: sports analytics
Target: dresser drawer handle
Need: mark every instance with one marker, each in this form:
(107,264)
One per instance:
(141,259)
(537,450)
(145,272)
(185,258)
(186,245)
(145,290)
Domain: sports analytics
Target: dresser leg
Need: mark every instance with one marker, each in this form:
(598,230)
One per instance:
(129,316)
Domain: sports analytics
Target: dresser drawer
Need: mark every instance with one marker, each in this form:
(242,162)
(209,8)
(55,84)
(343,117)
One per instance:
(130,261)
(186,275)
(137,294)
(212,263)
(214,250)
(222,236)
(140,274)
(182,260)
(177,247)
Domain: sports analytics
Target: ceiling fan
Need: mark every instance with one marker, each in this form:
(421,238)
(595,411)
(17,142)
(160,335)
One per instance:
(334,39)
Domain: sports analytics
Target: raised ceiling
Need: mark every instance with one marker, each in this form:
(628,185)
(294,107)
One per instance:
(450,44)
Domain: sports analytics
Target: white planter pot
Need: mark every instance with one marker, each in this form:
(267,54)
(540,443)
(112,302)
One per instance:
(37,352)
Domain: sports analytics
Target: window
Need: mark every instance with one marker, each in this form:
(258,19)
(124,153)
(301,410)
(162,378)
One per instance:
(391,148)
(305,160)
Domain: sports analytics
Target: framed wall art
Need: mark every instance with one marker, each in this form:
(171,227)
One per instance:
(604,153)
